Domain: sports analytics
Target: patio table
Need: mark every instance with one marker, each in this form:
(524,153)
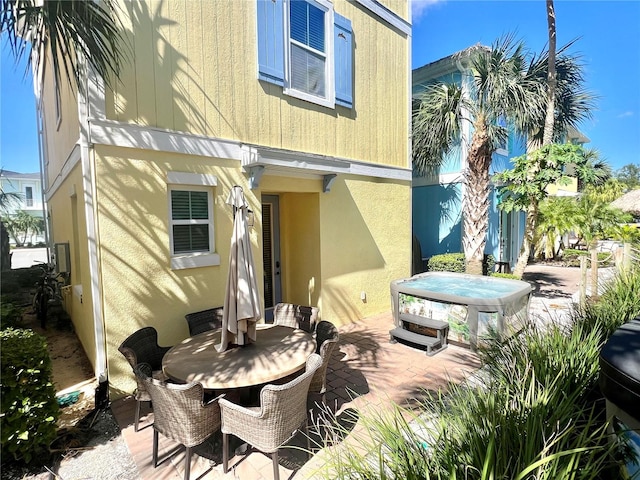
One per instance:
(278,352)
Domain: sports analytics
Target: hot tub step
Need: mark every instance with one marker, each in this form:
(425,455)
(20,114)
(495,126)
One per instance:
(433,344)
(424,321)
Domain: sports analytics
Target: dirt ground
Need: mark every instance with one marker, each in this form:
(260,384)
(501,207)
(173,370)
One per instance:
(72,371)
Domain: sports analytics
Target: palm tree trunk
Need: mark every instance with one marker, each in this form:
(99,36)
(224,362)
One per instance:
(5,249)
(476,199)
(527,243)
(547,138)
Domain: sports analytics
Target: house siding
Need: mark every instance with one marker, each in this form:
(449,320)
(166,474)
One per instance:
(193,81)
(194,70)
(59,140)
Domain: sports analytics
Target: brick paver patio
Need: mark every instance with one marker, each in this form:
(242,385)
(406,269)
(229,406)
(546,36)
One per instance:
(366,371)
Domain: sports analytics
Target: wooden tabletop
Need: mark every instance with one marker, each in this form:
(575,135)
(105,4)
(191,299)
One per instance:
(278,351)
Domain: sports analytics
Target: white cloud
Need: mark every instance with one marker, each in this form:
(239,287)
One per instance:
(419,7)
(626,114)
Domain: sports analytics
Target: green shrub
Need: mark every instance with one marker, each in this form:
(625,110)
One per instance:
(447,262)
(506,275)
(455,262)
(29,406)
(10,315)
(571,258)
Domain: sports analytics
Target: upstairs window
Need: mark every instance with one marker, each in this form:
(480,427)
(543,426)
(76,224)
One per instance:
(306,48)
(308,54)
(28,196)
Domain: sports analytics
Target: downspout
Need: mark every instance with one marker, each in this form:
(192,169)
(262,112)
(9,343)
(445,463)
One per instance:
(89,194)
(44,179)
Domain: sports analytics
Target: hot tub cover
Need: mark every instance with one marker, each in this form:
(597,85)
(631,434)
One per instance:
(620,368)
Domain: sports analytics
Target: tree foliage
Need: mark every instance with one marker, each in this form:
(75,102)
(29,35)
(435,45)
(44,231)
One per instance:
(528,180)
(65,29)
(629,175)
(497,85)
(22,226)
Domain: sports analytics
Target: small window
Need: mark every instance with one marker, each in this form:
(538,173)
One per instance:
(28,196)
(57,102)
(190,216)
(191,220)
(503,147)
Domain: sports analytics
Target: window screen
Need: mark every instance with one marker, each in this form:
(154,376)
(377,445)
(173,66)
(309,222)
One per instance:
(308,56)
(190,217)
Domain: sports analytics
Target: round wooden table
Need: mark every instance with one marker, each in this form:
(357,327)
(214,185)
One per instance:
(278,352)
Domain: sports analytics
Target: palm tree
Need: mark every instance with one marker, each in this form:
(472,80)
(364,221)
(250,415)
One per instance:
(594,171)
(66,30)
(70,31)
(500,85)
(7,199)
(572,104)
(557,217)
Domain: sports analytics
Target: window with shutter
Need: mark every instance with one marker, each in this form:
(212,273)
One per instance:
(307,48)
(191,226)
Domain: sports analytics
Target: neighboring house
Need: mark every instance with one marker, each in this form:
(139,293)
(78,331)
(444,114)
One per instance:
(291,101)
(29,188)
(437,198)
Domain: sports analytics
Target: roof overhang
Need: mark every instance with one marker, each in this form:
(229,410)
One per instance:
(258,161)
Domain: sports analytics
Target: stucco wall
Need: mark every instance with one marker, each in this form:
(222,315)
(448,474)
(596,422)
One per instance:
(195,70)
(365,243)
(139,288)
(66,207)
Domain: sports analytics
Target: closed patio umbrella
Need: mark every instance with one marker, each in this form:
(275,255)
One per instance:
(241,302)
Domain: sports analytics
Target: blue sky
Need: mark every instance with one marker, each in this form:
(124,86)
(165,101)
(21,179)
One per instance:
(609,33)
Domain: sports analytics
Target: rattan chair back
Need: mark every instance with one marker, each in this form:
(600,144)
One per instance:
(326,341)
(142,347)
(179,413)
(204,321)
(281,413)
(296,316)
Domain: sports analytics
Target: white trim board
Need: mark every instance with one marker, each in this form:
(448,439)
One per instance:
(119,134)
(387,15)
(108,132)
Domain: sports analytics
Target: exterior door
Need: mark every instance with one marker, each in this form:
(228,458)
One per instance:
(271,254)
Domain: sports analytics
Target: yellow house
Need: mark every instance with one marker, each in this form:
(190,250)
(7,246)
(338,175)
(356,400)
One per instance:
(305,104)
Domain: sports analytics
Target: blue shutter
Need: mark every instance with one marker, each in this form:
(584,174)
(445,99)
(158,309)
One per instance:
(271,41)
(343,52)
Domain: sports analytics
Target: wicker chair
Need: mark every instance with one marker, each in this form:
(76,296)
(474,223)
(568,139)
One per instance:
(295,316)
(180,414)
(281,413)
(326,340)
(204,321)
(142,347)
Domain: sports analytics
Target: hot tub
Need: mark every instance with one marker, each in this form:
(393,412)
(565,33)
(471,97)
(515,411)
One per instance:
(471,304)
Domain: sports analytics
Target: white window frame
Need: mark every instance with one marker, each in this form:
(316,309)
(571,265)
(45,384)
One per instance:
(504,151)
(198,183)
(57,102)
(329,100)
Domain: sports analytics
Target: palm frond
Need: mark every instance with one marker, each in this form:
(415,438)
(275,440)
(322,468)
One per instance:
(573,102)
(67,30)
(437,124)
